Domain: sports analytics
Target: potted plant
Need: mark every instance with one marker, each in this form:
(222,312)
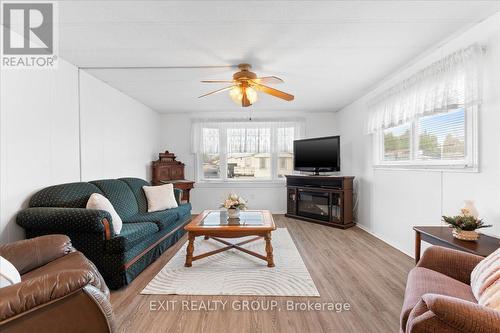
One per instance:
(465,225)
(234,203)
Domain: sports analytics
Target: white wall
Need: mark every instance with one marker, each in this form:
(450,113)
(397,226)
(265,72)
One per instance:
(176,137)
(392,202)
(40,135)
(120,136)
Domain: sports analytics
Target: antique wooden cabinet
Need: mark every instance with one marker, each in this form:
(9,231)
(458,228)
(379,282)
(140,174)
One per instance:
(168,170)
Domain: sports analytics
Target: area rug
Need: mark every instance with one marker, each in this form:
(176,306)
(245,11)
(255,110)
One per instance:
(236,273)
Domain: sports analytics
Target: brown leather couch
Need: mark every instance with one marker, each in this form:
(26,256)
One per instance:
(439,298)
(60,289)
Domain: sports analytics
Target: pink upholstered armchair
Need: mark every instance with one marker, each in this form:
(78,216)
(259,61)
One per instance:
(439,298)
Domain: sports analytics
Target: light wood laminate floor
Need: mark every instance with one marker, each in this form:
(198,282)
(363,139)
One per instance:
(347,266)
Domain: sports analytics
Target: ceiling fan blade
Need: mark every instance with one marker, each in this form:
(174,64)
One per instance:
(217,91)
(217,81)
(268,80)
(273,92)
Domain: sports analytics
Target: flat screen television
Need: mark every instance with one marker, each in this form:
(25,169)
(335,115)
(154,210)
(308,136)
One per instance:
(317,154)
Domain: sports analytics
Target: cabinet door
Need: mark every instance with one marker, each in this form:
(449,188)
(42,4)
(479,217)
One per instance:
(336,207)
(177,172)
(164,174)
(291,201)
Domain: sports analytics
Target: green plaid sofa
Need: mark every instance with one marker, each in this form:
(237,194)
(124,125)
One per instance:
(60,209)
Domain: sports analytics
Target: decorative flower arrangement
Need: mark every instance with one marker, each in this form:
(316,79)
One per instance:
(234,201)
(465,224)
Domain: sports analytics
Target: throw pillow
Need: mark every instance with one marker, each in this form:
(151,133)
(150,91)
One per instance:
(8,273)
(160,197)
(485,281)
(99,201)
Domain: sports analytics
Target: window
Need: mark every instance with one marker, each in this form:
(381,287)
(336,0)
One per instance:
(442,137)
(436,110)
(285,151)
(437,141)
(236,151)
(210,156)
(397,143)
(248,154)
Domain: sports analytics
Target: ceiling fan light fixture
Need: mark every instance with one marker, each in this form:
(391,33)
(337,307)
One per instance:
(246,84)
(237,93)
(251,94)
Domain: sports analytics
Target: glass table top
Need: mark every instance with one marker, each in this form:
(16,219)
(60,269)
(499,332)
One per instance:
(218,218)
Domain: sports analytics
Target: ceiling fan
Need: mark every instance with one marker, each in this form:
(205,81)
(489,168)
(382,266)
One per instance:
(245,85)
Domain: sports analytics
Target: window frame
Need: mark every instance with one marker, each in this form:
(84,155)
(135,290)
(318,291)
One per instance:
(274,169)
(470,163)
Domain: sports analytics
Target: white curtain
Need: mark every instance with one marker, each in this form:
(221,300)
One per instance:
(245,136)
(249,140)
(446,85)
(210,141)
(285,137)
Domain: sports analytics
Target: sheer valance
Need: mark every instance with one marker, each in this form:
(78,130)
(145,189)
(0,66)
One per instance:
(244,136)
(249,140)
(448,84)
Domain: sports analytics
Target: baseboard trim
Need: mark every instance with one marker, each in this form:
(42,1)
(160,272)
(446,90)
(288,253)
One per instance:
(362,227)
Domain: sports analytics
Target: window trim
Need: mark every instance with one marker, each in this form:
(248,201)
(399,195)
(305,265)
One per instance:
(469,164)
(273,180)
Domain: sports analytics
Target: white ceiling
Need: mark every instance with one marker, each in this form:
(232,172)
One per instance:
(328,53)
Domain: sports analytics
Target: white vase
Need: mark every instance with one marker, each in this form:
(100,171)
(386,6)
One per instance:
(233,213)
(469,205)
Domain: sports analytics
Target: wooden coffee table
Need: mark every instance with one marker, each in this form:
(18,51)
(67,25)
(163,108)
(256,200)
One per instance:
(214,224)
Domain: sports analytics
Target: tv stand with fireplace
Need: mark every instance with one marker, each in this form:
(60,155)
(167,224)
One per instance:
(321,199)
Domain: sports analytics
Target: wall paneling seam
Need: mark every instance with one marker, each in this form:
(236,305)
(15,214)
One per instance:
(79,128)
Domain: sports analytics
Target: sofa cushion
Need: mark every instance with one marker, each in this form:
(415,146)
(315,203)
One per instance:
(485,281)
(71,195)
(184,210)
(161,218)
(100,202)
(136,185)
(8,273)
(139,248)
(160,197)
(131,235)
(423,281)
(120,195)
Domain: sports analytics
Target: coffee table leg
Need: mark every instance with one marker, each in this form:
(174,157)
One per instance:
(269,250)
(189,251)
